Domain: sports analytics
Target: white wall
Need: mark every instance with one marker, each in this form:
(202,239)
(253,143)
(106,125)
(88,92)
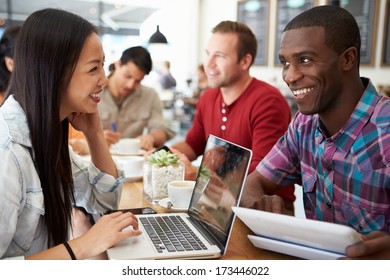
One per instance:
(178,21)
(213,11)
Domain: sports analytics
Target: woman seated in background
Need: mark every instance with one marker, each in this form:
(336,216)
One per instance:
(7,44)
(57,79)
(200,88)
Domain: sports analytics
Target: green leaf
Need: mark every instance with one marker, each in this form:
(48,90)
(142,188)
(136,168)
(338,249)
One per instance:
(163,158)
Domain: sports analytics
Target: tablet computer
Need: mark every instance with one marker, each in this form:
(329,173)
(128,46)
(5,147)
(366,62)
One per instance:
(304,238)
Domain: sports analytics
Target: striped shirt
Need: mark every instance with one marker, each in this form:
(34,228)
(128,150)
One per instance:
(346,177)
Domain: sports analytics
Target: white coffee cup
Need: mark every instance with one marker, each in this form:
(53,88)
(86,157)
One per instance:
(132,166)
(180,193)
(129,146)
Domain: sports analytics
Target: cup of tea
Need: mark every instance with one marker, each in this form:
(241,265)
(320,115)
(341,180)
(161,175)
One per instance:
(180,193)
(132,166)
(129,146)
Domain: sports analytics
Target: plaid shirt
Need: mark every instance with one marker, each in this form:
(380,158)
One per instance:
(346,177)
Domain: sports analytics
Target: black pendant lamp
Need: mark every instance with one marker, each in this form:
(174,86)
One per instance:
(158,38)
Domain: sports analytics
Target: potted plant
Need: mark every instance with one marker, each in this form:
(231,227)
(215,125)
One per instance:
(160,168)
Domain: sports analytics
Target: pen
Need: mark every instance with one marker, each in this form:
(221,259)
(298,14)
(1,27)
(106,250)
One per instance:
(113,126)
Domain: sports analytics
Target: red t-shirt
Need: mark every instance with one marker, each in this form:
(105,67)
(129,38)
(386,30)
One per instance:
(256,120)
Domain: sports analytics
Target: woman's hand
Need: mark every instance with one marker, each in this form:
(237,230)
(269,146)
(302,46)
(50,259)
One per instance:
(88,123)
(107,232)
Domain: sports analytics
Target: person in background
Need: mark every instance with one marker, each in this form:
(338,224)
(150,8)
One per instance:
(236,106)
(7,44)
(127,108)
(190,102)
(166,80)
(338,145)
(131,106)
(57,79)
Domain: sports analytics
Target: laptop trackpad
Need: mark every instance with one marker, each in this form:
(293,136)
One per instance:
(132,246)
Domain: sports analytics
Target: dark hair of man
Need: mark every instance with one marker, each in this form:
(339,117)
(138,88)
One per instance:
(46,54)
(139,56)
(340,27)
(7,44)
(246,44)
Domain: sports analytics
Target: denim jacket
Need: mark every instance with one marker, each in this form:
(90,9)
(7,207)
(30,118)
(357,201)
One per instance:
(22,227)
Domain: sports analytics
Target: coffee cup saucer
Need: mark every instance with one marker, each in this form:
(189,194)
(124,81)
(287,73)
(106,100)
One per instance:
(164,203)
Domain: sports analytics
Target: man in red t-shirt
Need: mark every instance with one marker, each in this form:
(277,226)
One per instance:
(236,106)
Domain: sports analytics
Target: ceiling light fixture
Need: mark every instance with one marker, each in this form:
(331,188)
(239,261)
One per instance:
(158,38)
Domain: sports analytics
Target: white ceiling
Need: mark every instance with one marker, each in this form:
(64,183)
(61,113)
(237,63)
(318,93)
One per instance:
(114,14)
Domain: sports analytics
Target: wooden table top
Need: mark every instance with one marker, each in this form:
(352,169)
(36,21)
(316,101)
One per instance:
(239,247)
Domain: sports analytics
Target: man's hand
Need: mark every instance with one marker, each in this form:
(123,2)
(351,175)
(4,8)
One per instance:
(147,142)
(112,137)
(271,203)
(190,170)
(376,246)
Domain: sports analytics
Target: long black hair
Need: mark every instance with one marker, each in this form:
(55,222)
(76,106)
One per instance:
(46,53)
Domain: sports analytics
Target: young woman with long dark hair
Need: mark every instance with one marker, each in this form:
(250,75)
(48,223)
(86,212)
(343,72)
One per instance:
(57,79)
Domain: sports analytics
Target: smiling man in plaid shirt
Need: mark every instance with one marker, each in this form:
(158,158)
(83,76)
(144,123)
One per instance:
(338,145)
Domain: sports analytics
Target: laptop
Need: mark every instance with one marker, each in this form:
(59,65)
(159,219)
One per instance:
(203,231)
(303,238)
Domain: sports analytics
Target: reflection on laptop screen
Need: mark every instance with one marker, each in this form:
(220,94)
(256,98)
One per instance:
(219,185)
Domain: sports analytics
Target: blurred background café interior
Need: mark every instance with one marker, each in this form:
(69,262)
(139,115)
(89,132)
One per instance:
(177,31)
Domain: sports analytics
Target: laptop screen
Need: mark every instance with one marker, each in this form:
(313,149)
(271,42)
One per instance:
(218,187)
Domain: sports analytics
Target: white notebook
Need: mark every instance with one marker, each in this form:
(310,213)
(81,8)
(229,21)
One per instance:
(304,238)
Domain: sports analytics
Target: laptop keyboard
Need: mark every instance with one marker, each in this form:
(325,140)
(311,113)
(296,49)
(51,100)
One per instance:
(171,233)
